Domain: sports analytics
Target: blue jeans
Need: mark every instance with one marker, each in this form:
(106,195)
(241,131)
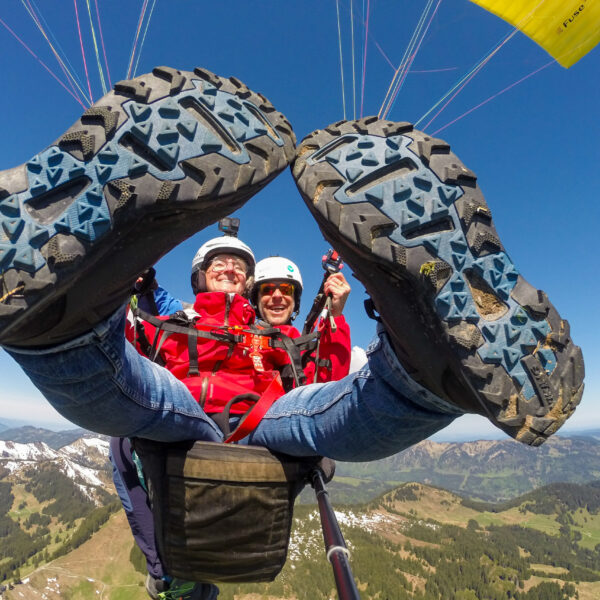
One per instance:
(99,382)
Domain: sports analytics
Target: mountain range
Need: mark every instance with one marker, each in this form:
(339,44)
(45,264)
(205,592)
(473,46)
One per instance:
(489,470)
(64,533)
(55,439)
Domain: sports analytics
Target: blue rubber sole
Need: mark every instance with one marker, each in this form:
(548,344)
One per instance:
(386,195)
(176,145)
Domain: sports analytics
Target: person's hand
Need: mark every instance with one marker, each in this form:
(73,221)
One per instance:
(338,288)
(143,281)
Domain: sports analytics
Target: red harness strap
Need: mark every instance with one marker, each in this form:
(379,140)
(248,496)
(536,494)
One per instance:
(254,415)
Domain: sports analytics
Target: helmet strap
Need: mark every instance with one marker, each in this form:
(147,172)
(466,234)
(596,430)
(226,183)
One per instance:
(198,282)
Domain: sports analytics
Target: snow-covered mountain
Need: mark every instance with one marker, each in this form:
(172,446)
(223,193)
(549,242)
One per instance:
(85,462)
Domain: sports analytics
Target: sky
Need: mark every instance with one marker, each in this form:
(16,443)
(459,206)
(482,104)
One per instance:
(532,141)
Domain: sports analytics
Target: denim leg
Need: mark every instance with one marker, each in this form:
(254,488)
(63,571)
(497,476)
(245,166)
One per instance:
(373,413)
(98,381)
(136,503)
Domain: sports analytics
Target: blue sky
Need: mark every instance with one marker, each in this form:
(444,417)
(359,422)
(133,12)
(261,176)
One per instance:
(534,147)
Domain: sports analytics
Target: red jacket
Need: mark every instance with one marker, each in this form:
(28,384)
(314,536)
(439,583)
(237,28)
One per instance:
(225,371)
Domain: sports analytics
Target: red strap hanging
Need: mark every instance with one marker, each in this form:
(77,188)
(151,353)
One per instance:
(253,417)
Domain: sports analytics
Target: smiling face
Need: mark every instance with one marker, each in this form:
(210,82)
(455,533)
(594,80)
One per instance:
(276,302)
(226,273)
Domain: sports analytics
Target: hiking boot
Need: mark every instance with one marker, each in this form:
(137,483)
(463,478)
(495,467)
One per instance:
(154,586)
(188,590)
(151,163)
(410,220)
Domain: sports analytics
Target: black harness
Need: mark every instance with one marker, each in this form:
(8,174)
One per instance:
(299,350)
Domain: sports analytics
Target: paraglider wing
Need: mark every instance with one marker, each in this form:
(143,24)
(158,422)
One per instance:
(566,29)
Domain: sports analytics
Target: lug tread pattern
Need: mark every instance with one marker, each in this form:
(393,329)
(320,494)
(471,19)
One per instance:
(83,142)
(403,189)
(176,78)
(107,118)
(133,89)
(236,142)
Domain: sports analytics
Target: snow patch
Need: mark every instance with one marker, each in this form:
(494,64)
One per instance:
(35,451)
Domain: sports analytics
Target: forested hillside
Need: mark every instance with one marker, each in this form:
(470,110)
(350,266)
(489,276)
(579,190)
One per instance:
(50,501)
(415,542)
(64,534)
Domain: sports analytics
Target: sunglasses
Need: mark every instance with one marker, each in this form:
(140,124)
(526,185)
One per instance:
(268,289)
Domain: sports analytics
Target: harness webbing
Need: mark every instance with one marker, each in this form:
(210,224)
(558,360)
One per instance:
(298,350)
(253,417)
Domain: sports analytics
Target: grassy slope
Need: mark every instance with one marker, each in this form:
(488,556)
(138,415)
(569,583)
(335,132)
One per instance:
(101,569)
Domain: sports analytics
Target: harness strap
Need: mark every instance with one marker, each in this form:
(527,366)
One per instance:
(193,354)
(142,339)
(159,339)
(255,339)
(293,351)
(204,331)
(253,417)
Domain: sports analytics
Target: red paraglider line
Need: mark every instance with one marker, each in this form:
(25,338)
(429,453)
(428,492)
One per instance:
(82,52)
(66,73)
(41,62)
(512,85)
(475,71)
(364,70)
(102,42)
(384,55)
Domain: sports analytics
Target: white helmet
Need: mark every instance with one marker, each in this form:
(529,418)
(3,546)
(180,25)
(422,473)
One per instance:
(226,244)
(277,268)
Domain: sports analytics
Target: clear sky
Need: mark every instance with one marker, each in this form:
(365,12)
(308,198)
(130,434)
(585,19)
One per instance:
(534,146)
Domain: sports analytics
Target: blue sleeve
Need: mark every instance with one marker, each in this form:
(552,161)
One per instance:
(165,303)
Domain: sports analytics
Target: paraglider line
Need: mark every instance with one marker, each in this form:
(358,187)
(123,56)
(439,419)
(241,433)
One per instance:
(465,80)
(41,62)
(512,85)
(460,88)
(467,77)
(70,78)
(364,69)
(404,60)
(337,8)
(384,55)
(102,43)
(83,52)
(137,62)
(418,71)
(353,65)
(411,60)
(137,35)
(98,61)
(356,19)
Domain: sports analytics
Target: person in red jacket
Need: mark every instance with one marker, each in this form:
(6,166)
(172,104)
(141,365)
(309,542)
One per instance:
(276,295)
(216,371)
(221,270)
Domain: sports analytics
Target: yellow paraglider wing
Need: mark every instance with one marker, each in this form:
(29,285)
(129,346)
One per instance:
(566,29)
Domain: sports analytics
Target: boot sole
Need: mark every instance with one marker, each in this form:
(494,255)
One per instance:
(412,223)
(150,164)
